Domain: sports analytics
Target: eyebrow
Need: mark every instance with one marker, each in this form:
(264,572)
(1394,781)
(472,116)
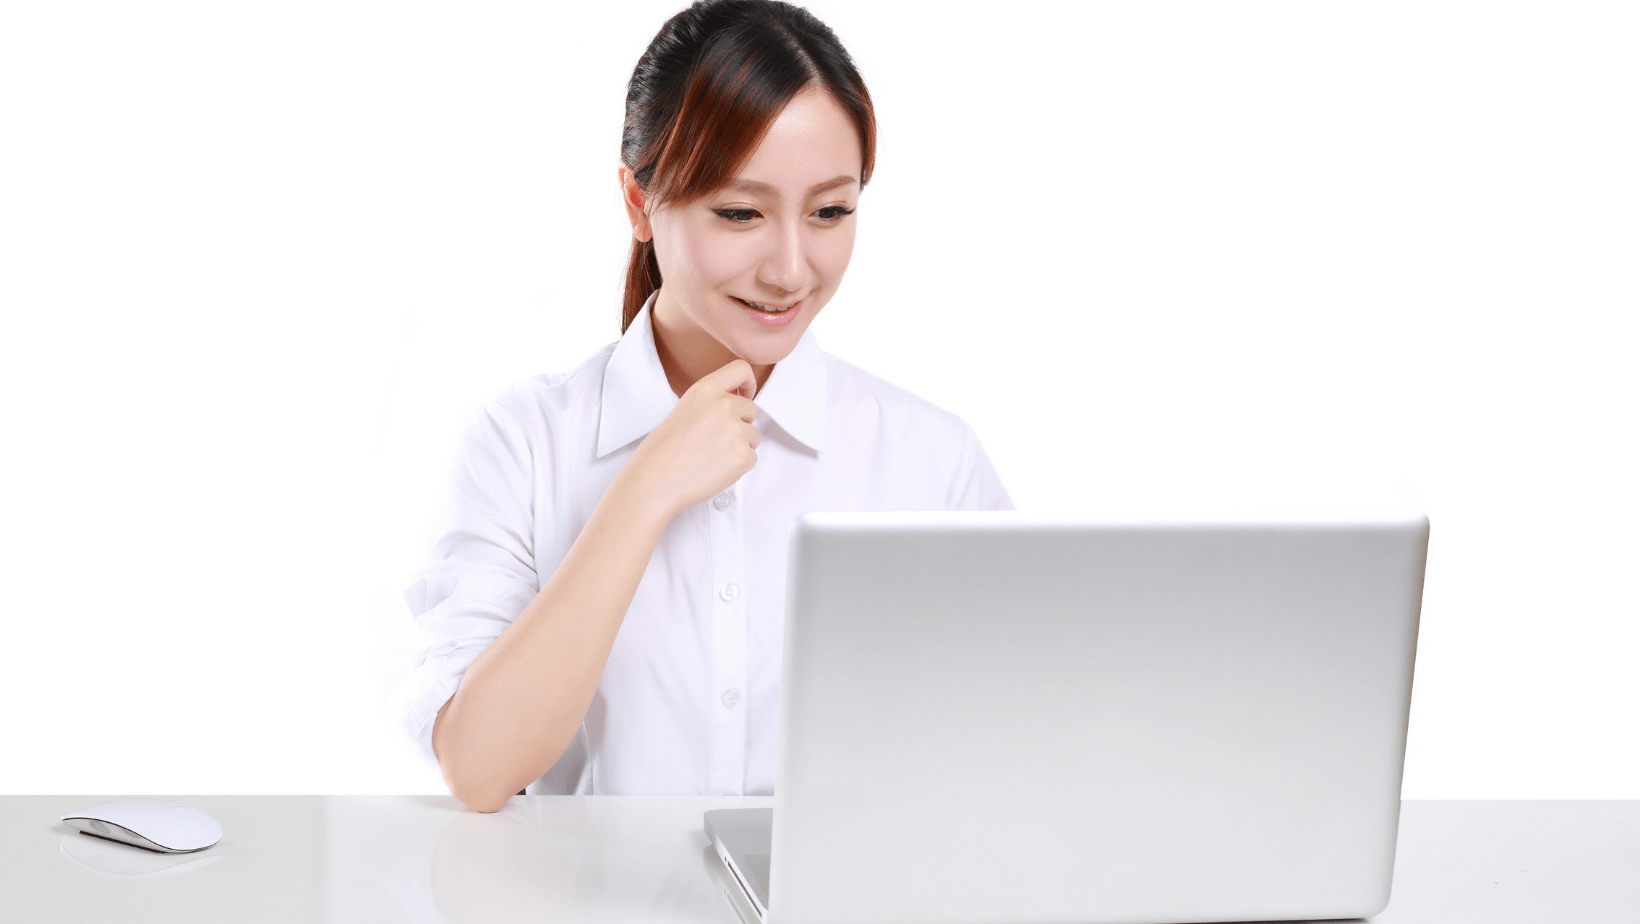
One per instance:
(752,186)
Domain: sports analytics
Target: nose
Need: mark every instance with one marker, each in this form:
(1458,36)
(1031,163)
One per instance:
(786,265)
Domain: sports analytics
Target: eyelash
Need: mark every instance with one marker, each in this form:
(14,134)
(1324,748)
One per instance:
(742,216)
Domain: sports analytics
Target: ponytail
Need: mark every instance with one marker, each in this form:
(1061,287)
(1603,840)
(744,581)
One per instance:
(643,277)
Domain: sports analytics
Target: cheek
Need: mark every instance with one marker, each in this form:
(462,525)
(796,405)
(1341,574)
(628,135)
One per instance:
(717,258)
(831,253)
(671,251)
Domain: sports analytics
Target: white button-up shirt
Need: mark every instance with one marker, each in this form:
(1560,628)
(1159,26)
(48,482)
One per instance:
(688,701)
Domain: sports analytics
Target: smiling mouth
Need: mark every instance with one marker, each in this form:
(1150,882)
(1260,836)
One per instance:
(766,309)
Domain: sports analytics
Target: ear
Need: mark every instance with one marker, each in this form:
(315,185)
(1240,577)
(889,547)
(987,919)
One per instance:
(632,196)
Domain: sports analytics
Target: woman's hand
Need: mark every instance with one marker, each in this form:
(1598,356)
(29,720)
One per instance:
(704,445)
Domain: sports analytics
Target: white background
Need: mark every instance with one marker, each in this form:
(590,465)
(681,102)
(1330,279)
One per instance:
(260,261)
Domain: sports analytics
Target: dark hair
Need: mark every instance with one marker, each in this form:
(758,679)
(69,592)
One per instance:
(704,94)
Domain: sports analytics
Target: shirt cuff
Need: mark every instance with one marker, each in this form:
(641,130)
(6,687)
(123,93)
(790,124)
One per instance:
(418,699)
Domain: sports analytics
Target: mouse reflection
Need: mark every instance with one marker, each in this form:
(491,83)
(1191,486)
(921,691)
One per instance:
(123,861)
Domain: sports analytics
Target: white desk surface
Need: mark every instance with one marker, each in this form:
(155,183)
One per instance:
(368,859)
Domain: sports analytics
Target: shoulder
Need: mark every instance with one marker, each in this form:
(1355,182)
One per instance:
(552,400)
(540,418)
(858,397)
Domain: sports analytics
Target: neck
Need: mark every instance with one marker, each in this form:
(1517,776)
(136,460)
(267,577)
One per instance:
(687,352)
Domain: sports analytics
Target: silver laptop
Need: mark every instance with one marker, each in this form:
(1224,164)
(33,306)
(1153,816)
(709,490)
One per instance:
(993,717)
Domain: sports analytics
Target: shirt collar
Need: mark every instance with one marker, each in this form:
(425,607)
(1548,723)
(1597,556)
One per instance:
(794,395)
(636,396)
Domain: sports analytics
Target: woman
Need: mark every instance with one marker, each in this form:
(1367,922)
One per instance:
(604,609)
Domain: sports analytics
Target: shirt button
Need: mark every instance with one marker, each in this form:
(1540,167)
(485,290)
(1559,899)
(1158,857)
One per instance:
(730,697)
(722,501)
(729,592)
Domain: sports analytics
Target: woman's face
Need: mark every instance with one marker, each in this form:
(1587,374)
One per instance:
(753,263)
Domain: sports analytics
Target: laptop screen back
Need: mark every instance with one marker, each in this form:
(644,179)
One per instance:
(987,716)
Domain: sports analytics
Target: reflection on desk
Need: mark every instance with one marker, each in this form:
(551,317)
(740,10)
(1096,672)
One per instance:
(426,860)
(365,859)
(122,862)
(539,858)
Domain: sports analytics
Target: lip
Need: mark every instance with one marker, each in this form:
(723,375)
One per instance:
(771,320)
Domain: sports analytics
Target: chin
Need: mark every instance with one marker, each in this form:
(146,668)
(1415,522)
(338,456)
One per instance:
(767,353)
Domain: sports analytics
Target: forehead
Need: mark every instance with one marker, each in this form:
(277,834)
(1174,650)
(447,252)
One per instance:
(811,143)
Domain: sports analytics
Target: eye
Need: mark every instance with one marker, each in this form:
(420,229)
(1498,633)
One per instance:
(832,212)
(738,216)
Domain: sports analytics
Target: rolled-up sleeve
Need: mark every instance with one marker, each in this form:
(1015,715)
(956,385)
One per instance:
(482,573)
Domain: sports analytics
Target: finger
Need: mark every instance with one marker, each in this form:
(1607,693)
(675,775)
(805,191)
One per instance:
(743,408)
(735,376)
(754,436)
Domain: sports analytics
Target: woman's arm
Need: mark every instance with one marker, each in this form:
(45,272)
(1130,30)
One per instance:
(522,699)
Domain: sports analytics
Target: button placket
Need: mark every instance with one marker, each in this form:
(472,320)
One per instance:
(728,719)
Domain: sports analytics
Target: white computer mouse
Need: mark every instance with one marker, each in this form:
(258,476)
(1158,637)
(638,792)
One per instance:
(148,823)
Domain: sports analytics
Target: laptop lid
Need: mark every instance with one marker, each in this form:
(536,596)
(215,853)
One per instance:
(990,716)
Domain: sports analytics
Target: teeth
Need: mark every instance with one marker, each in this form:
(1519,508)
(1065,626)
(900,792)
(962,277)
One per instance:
(771,309)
